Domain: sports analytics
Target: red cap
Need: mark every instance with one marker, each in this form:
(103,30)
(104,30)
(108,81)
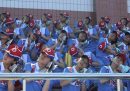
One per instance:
(30,16)
(7,14)
(9,31)
(73,51)
(56,22)
(119,24)
(122,56)
(15,51)
(49,52)
(31,24)
(102,46)
(9,21)
(65,14)
(101,24)
(49,16)
(80,24)
(107,19)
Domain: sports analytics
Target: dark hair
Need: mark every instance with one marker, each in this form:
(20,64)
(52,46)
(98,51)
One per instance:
(116,39)
(89,19)
(126,21)
(63,31)
(127,33)
(37,37)
(85,57)
(83,32)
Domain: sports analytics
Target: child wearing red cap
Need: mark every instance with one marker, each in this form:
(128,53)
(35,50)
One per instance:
(64,17)
(109,25)
(5,38)
(80,42)
(103,31)
(57,29)
(45,24)
(60,46)
(43,65)
(106,48)
(78,27)
(75,53)
(9,64)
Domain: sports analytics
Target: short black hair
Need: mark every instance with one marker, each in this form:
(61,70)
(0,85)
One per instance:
(83,32)
(63,31)
(85,57)
(116,39)
(126,21)
(127,33)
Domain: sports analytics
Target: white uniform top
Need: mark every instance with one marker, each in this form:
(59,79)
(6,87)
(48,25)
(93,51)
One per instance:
(2,68)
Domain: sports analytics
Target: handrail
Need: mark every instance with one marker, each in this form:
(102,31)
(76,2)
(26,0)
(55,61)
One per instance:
(64,75)
(32,76)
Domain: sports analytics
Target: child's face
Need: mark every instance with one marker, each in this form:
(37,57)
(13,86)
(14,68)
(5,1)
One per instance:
(43,60)
(82,37)
(123,21)
(127,38)
(112,36)
(116,61)
(44,18)
(61,36)
(8,59)
(83,63)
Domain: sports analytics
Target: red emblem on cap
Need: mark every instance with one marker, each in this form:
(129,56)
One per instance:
(102,46)
(49,52)
(80,24)
(101,24)
(31,24)
(9,20)
(9,31)
(15,51)
(73,51)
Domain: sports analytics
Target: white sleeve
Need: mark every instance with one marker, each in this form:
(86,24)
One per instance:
(42,30)
(16,31)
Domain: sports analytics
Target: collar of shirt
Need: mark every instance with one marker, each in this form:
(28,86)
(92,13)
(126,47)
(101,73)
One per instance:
(37,67)
(74,69)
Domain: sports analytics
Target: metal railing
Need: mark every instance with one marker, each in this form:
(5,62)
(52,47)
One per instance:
(54,76)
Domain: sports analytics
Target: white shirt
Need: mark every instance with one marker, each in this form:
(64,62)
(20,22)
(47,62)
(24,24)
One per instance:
(43,30)
(16,31)
(2,68)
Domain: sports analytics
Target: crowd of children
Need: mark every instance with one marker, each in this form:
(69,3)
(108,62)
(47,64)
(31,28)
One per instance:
(47,45)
